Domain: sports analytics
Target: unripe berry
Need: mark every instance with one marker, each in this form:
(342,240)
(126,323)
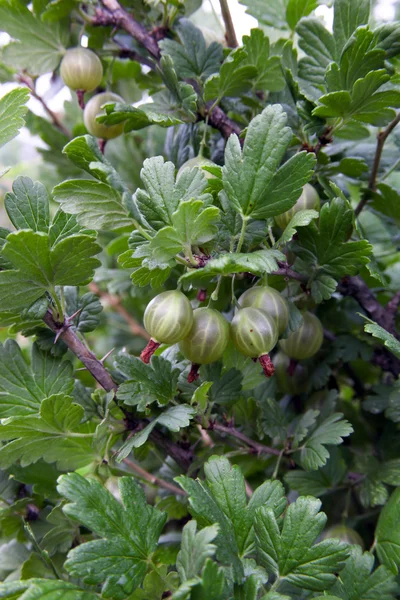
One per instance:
(168,318)
(207,339)
(81,69)
(306,341)
(254,334)
(270,301)
(309,199)
(94,109)
(295,383)
(345,534)
(199,162)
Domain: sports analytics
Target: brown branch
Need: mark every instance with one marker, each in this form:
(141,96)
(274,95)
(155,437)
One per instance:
(152,479)
(86,356)
(230,34)
(219,120)
(286,271)
(56,121)
(116,303)
(256,446)
(381,139)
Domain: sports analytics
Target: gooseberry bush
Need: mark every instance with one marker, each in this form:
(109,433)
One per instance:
(200,352)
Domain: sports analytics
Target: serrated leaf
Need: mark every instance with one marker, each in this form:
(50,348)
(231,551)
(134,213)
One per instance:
(12,111)
(88,305)
(387,202)
(94,203)
(22,388)
(40,47)
(28,205)
(146,383)
(63,226)
(271,13)
(317,483)
(135,118)
(300,219)
(192,224)
(255,184)
(40,589)
(192,58)
(129,533)
(358,580)
(196,547)
(296,9)
(234,78)
(347,17)
(258,262)
(331,431)
(384,336)
(319,46)
(179,100)
(54,435)
(269,72)
(289,551)
(387,534)
(174,419)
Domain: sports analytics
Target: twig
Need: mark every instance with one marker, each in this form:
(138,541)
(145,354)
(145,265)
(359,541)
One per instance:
(136,56)
(381,139)
(152,479)
(56,121)
(286,271)
(116,303)
(85,355)
(230,34)
(257,446)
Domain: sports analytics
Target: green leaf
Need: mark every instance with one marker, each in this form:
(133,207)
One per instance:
(44,589)
(289,551)
(300,219)
(331,431)
(387,202)
(234,78)
(271,13)
(135,118)
(146,383)
(55,435)
(88,305)
(129,533)
(63,226)
(162,196)
(192,224)
(28,205)
(12,111)
(269,71)
(192,58)
(255,184)
(95,204)
(347,17)
(22,388)
(296,9)
(387,533)
(258,262)
(319,46)
(384,336)
(317,483)
(174,419)
(358,581)
(40,47)
(325,245)
(196,547)
(179,100)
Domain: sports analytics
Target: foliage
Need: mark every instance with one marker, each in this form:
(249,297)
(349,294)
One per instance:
(141,476)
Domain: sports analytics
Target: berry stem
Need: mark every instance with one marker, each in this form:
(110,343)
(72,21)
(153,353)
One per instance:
(80,94)
(267,365)
(193,373)
(149,350)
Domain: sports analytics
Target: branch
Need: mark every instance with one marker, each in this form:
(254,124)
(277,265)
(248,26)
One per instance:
(219,120)
(381,139)
(116,303)
(56,121)
(230,34)
(152,479)
(86,356)
(256,446)
(286,271)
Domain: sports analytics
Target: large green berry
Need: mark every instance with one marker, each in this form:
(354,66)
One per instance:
(306,341)
(81,69)
(345,534)
(270,301)
(254,334)
(208,337)
(309,199)
(94,109)
(288,383)
(168,318)
(199,162)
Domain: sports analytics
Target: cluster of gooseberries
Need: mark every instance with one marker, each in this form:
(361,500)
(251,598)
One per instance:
(203,333)
(82,71)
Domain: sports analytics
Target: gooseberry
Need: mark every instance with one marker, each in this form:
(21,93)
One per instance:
(81,70)
(206,341)
(345,534)
(94,109)
(306,341)
(168,318)
(309,199)
(270,301)
(295,383)
(199,162)
(254,333)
